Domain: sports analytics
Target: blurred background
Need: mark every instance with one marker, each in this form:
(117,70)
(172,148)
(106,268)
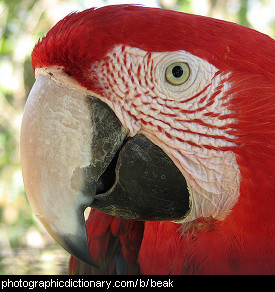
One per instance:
(25,247)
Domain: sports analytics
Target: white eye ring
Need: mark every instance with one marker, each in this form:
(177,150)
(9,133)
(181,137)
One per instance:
(177,73)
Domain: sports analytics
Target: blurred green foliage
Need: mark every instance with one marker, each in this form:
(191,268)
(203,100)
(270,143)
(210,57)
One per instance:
(22,23)
(257,14)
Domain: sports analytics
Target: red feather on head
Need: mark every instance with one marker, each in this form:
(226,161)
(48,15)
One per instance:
(82,38)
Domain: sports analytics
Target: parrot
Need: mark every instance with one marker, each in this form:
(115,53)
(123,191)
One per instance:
(162,123)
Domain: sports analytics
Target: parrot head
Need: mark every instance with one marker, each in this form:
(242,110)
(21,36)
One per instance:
(145,114)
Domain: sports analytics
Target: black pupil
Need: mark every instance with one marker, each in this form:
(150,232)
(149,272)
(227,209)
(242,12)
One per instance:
(177,71)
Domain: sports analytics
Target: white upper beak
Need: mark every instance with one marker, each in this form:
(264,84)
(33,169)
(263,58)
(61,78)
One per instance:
(55,146)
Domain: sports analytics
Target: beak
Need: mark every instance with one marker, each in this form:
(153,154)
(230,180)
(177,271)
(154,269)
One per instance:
(63,155)
(75,153)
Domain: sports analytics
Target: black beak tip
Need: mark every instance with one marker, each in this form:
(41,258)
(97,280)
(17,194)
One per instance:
(78,247)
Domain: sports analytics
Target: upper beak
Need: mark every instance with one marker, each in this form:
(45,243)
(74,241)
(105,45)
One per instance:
(63,156)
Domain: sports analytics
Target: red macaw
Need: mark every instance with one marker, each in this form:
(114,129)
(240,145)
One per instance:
(163,123)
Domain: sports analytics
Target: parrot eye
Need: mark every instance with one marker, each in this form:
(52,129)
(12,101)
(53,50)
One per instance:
(177,73)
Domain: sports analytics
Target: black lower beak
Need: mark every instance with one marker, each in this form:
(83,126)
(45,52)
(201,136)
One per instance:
(147,184)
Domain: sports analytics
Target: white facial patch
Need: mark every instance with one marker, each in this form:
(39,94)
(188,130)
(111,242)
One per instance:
(190,122)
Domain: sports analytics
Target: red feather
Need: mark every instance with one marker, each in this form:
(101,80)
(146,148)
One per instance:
(80,39)
(114,244)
